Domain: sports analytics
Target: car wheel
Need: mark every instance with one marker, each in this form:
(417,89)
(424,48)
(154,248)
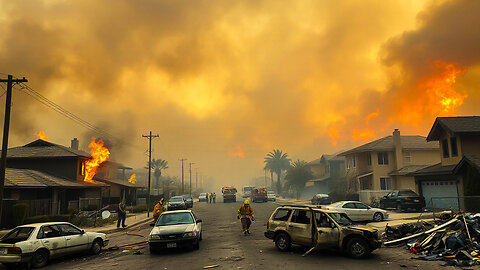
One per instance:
(358,248)
(40,258)
(377,217)
(283,242)
(196,245)
(96,246)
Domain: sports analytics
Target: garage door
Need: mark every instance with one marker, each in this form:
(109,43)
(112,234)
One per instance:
(440,194)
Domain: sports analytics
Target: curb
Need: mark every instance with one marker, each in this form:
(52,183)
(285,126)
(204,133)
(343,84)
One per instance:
(140,222)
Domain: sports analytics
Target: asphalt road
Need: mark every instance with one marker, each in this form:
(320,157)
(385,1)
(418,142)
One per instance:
(224,245)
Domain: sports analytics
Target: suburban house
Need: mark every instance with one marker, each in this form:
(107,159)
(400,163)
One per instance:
(50,179)
(446,183)
(384,164)
(329,174)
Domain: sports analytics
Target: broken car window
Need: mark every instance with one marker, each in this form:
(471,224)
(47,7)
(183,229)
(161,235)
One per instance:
(341,219)
(282,215)
(301,216)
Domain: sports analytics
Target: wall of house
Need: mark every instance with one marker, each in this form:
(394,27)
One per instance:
(470,144)
(381,170)
(318,170)
(362,163)
(423,157)
(450,160)
(405,182)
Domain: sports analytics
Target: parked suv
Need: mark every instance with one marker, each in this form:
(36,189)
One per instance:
(321,199)
(323,229)
(402,200)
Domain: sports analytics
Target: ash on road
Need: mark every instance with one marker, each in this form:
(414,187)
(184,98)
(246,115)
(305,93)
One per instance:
(225,245)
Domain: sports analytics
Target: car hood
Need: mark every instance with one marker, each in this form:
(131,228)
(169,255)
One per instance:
(362,228)
(172,229)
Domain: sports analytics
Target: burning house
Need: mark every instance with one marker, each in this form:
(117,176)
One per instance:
(51,178)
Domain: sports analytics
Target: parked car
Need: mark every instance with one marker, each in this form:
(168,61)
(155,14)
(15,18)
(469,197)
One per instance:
(188,200)
(358,211)
(402,200)
(321,199)
(177,203)
(37,243)
(202,197)
(176,229)
(229,194)
(271,196)
(247,191)
(323,229)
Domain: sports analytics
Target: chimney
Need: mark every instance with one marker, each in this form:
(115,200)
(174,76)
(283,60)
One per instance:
(397,143)
(74,144)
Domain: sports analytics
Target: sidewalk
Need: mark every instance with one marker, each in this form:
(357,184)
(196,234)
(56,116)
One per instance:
(131,221)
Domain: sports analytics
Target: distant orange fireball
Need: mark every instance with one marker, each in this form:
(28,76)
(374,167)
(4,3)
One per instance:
(99,154)
(41,135)
(132,179)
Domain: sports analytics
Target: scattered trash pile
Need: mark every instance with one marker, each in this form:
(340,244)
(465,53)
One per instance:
(455,240)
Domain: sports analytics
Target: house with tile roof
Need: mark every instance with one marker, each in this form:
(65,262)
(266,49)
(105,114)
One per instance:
(453,181)
(382,165)
(49,178)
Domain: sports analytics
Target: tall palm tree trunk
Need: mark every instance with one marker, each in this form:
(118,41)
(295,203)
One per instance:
(279,186)
(271,179)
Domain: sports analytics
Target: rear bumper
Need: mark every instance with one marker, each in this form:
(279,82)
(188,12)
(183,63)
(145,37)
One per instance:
(413,205)
(269,234)
(16,258)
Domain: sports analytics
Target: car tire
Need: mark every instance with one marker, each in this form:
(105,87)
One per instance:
(196,245)
(358,248)
(283,242)
(40,258)
(377,217)
(96,247)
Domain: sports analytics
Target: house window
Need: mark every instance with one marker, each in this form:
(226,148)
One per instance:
(382,158)
(446,154)
(407,158)
(369,159)
(385,183)
(354,165)
(453,145)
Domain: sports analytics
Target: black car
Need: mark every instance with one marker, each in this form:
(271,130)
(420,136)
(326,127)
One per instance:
(321,199)
(176,203)
(402,200)
(188,200)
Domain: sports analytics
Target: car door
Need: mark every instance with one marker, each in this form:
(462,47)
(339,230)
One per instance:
(328,234)
(350,210)
(300,227)
(76,239)
(393,199)
(363,211)
(51,238)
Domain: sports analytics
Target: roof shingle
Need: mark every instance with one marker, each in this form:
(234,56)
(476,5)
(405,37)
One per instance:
(454,125)
(386,144)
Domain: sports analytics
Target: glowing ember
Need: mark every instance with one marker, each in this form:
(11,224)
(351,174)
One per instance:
(132,179)
(442,95)
(41,135)
(99,155)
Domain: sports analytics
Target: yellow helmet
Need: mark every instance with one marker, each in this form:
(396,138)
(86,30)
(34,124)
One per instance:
(246,202)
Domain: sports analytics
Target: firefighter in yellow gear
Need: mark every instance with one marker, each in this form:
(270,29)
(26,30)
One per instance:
(157,210)
(245,214)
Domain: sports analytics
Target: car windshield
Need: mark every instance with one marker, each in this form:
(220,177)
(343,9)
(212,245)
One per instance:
(18,234)
(271,192)
(341,218)
(203,194)
(187,196)
(176,199)
(407,193)
(174,219)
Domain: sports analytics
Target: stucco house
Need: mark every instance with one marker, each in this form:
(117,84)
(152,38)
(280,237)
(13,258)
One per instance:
(328,172)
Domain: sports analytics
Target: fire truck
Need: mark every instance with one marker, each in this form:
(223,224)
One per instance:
(259,195)
(229,194)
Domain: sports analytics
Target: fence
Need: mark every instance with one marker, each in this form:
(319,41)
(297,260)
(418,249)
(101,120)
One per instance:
(84,203)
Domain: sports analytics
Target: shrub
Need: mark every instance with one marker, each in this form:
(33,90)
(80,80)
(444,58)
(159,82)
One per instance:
(19,213)
(46,218)
(92,207)
(139,208)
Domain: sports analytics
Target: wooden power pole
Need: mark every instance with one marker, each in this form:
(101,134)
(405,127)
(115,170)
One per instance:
(150,137)
(6,128)
(183,176)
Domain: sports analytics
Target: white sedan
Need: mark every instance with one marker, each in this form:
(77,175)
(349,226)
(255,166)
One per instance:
(37,243)
(358,211)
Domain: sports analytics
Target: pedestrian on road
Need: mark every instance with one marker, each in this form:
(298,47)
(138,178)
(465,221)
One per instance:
(245,214)
(208,196)
(214,197)
(122,214)
(157,210)
(211,197)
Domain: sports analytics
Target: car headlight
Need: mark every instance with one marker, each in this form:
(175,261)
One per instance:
(189,234)
(154,236)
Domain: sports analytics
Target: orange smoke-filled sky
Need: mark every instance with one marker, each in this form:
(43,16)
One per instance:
(225,82)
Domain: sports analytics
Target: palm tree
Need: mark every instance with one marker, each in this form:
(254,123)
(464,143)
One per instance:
(297,175)
(270,170)
(277,161)
(158,165)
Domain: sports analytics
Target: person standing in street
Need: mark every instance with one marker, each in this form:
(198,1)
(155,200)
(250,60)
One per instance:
(245,214)
(214,197)
(122,214)
(157,210)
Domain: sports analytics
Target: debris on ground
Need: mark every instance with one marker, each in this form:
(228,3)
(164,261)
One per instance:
(454,239)
(210,266)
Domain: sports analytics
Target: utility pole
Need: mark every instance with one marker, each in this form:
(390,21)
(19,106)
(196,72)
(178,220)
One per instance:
(6,128)
(182,160)
(196,179)
(150,137)
(191,177)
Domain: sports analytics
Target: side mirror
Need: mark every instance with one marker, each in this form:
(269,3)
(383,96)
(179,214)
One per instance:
(82,232)
(199,221)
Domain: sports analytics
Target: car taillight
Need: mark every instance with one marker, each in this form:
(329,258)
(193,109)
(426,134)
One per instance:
(14,250)
(406,199)
(268,224)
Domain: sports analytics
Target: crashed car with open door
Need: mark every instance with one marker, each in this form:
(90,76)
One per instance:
(320,229)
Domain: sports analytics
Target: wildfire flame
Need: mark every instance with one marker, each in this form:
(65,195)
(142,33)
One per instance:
(99,155)
(132,179)
(239,152)
(41,135)
(442,95)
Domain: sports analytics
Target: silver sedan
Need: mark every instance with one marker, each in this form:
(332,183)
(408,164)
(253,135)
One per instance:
(358,211)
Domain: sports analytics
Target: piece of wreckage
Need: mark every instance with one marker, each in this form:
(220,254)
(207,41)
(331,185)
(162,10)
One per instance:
(454,239)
